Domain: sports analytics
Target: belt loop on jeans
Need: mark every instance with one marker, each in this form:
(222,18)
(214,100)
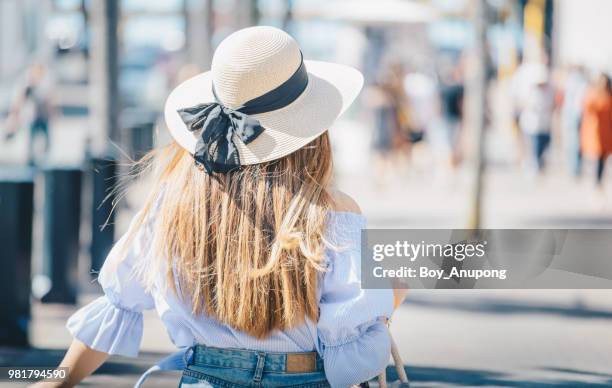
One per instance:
(261,362)
(188,355)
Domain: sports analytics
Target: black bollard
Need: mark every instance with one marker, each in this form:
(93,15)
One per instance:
(62,219)
(16,208)
(138,128)
(104,178)
(141,139)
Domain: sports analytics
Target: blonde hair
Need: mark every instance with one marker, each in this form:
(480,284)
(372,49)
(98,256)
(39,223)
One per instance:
(245,247)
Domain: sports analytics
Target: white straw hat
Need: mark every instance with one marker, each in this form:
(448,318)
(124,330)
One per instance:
(251,63)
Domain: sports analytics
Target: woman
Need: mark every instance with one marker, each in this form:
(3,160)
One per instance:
(33,104)
(571,116)
(596,131)
(248,256)
(535,115)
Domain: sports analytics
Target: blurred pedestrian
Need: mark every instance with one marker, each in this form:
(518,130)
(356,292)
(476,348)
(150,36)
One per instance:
(596,127)
(31,109)
(521,82)
(451,95)
(535,117)
(393,136)
(236,244)
(378,99)
(571,115)
(423,104)
(423,101)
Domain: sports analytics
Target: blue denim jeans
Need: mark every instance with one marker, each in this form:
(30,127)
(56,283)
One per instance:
(215,367)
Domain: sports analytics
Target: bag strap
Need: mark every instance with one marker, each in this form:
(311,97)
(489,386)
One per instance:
(399,363)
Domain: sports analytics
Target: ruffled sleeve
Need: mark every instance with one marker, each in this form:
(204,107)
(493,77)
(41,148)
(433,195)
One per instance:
(113,323)
(353,338)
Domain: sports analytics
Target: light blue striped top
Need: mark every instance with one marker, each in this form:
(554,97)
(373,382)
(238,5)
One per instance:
(349,335)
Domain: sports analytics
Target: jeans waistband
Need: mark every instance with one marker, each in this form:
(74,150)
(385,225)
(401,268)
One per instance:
(277,362)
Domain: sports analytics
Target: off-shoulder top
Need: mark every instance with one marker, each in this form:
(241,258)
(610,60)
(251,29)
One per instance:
(350,336)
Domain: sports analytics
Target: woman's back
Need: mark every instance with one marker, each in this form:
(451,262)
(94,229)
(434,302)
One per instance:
(345,309)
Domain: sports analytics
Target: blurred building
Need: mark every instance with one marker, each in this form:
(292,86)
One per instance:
(22,34)
(583,33)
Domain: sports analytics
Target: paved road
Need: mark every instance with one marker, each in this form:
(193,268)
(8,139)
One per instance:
(509,339)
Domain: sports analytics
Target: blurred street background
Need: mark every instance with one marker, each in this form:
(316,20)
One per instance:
(475,113)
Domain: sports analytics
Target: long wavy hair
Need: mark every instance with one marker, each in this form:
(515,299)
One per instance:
(244,247)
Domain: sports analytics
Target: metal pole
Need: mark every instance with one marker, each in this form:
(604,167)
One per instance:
(477,95)
(246,13)
(255,13)
(16,208)
(104,73)
(104,115)
(199,15)
(288,15)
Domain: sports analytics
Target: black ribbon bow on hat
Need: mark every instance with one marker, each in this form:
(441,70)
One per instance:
(216,150)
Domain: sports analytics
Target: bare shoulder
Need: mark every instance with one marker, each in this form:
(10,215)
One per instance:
(343,202)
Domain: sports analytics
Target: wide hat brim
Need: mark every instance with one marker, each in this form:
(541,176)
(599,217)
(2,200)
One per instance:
(330,91)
